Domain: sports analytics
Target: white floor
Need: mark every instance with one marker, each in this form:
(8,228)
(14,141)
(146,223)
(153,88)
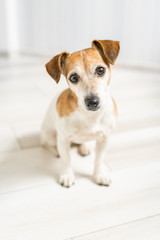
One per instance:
(34,206)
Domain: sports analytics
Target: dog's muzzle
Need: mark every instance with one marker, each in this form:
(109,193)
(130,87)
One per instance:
(92,103)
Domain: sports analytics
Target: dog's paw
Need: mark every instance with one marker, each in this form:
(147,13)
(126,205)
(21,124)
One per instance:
(67,178)
(102,178)
(83,150)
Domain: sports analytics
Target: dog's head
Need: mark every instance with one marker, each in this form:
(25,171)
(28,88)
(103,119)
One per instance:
(87,72)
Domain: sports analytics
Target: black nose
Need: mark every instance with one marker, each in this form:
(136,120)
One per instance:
(92,103)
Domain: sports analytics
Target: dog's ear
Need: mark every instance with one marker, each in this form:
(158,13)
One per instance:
(108,49)
(56,66)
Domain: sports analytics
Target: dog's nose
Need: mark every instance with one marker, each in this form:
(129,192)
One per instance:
(92,103)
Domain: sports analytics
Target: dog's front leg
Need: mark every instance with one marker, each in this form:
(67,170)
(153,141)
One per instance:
(101,171)
(67,177)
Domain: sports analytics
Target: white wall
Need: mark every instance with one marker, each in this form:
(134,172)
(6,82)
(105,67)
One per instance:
(3,33)
(52,26)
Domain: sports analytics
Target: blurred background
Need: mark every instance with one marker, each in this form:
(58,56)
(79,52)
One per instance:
(43,27)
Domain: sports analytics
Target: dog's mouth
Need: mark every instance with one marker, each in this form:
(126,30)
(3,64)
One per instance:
(93,110)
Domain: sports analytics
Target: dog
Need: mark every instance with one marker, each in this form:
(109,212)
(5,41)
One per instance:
(85,111)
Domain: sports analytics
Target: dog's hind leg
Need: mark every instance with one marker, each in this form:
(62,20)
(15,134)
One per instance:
(49,141)
(83,150)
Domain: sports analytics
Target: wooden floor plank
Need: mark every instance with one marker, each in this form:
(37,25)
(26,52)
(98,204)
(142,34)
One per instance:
(121,158)
(147,229)
(52,212)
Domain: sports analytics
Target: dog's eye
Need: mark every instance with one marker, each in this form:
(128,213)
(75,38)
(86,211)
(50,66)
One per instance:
(100,71)
(74,78)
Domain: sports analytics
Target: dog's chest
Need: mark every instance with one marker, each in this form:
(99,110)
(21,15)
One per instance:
(84,135)
(83,131)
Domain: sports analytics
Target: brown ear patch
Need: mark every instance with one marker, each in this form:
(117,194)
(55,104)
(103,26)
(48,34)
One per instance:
(66,103)
(56,66)
(108,49)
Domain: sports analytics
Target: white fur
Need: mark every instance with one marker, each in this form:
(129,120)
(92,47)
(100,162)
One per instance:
(79,127)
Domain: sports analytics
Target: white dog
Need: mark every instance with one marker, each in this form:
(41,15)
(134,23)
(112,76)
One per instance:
(85,111)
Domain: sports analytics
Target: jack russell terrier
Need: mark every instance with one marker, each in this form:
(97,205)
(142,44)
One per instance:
(85,111)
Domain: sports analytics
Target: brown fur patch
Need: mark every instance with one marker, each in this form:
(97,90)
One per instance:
(56,66)
(66,103)
(108,49)
(115,107)
(82,58)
